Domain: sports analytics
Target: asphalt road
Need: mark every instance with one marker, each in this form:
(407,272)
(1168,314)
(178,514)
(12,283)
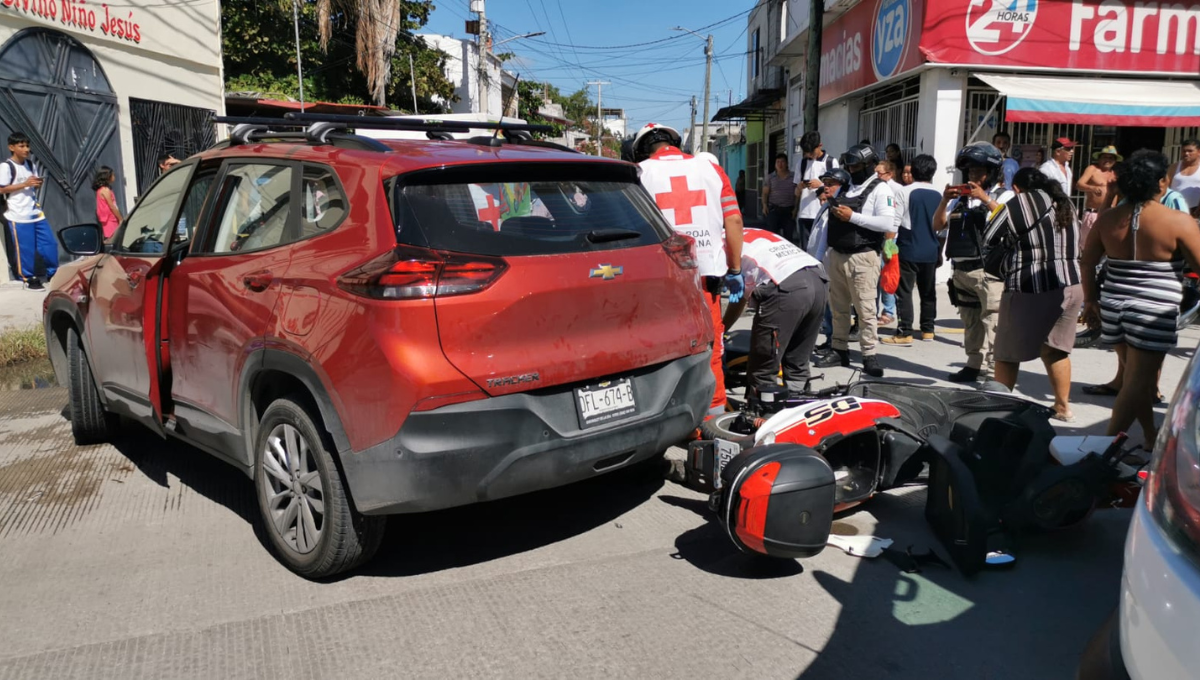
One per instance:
(142,560)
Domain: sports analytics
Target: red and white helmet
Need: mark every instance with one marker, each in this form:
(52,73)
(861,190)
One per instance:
(652,134)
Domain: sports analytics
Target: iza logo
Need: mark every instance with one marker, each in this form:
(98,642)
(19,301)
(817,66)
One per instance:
(995,26)
(889,36)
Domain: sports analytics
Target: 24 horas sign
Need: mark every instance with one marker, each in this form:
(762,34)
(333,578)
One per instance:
(1103,35)
(78,14)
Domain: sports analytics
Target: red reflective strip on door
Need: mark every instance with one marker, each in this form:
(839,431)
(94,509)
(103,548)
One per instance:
(754,496)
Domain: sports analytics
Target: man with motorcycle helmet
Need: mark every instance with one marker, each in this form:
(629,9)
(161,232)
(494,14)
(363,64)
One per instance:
(857,223)
(697,199)
(960,220)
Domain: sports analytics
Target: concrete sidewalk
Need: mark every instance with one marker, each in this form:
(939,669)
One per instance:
(20,308)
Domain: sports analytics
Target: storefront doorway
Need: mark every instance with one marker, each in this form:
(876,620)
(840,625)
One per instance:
(54,90)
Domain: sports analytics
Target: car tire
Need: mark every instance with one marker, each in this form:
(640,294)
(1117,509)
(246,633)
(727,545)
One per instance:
(717,427)
(90,423)
(308,518)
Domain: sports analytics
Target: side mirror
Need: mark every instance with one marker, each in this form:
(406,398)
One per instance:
(82,239)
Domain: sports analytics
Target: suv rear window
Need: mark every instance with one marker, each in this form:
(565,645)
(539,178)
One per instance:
(526,211)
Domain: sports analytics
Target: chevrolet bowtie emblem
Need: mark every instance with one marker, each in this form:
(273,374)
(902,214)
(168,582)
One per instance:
(606,272)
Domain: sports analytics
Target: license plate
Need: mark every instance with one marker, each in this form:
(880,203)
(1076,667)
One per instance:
(723,453)
(604,403)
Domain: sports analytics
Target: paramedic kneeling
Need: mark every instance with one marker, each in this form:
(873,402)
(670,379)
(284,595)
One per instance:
(789,289)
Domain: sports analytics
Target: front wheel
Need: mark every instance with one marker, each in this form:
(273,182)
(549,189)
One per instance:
(310,523)
(731,427)
(90,423)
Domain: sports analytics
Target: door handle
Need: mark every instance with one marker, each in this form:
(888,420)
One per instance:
(135,278)
(258,281)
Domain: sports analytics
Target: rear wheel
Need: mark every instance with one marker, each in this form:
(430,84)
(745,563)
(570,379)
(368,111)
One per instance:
(90,423)
(730,427)
(310,523)
(1086,337)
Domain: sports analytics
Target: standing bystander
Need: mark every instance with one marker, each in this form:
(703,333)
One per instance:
(779,199)
(1058,168)
(1003,142)
(812,166)
(1184,177)
(33,244)
(920,253)
(1098,184)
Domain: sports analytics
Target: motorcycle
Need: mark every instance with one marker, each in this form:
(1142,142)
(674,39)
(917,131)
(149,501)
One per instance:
(777,476)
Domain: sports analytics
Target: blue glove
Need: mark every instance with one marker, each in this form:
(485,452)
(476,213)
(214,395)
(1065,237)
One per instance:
(736,286)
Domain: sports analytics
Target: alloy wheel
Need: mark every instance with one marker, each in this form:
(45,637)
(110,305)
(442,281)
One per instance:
(294,492)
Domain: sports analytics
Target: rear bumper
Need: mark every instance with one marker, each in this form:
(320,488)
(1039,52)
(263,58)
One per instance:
(518,443)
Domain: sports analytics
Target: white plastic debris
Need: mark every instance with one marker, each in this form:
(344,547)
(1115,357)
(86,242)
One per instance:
(859,546)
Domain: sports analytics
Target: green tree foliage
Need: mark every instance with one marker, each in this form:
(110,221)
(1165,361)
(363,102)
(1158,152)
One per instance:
(259,44)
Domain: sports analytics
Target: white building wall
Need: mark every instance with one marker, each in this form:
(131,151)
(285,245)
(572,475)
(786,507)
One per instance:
(177,58)
(462,70)
(939,119)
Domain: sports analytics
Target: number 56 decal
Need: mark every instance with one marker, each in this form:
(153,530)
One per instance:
(822,412)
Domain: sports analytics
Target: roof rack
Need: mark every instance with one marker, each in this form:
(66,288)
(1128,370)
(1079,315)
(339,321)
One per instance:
(393,123)
(248,130)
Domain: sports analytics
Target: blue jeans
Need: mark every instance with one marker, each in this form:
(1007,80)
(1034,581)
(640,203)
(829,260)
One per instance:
(30,241)
(887,301)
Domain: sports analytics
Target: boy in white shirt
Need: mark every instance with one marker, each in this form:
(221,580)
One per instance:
(29,234)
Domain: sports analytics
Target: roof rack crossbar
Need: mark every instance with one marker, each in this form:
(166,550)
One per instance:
(392,123)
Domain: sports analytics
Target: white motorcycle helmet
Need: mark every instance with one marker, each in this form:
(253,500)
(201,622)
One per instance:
(650,135)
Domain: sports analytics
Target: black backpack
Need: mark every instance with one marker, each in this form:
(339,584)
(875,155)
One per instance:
(12,171)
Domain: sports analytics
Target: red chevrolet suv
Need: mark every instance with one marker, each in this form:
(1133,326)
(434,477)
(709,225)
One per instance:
(369,328)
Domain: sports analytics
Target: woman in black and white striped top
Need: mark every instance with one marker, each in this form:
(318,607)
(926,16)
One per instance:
(1137,305)
(1042,296)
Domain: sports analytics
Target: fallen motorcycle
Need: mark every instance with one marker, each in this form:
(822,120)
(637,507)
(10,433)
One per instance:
(996,468)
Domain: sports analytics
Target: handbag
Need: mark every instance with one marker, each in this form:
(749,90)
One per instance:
(995,257)
(889,278)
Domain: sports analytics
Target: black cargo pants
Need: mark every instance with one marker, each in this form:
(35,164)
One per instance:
(786,324)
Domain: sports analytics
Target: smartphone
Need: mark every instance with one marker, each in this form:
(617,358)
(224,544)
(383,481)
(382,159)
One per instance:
(963,189)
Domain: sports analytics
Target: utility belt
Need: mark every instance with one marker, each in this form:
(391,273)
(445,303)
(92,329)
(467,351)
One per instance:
(968,265)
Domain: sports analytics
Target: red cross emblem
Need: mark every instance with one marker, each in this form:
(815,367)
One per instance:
(491,213)
(681,200)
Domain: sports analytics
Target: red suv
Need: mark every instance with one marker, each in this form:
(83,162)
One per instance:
(369,328)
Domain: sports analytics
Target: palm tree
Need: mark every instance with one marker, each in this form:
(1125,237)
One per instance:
(377,24)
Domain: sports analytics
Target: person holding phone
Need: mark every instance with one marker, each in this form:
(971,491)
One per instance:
(960,220)
(29,233)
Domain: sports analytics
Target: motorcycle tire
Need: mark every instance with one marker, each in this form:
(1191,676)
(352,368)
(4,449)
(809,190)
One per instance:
(717,427)
(1086,337)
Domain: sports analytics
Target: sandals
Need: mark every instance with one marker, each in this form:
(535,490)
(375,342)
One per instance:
(1064,417)
(1106,390)
(885,319)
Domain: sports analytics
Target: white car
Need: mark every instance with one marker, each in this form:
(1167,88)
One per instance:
(1153,633)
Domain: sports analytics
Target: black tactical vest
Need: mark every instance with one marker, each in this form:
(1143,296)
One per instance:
(847,238)
(965,228)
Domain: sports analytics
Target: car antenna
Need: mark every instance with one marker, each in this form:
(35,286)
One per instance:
(516,87)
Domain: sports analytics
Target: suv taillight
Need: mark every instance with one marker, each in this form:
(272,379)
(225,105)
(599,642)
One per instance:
(682,249)
(410,273)
(1172,492)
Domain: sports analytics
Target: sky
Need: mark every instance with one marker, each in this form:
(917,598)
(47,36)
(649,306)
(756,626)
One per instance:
(589,41)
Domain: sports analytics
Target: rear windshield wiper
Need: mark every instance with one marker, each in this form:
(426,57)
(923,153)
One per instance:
(607,235)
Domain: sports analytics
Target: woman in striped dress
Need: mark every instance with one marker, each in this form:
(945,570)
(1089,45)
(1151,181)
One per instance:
(1138,303)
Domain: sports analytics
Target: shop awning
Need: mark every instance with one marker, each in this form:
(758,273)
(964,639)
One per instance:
(1098,101)
(750,108)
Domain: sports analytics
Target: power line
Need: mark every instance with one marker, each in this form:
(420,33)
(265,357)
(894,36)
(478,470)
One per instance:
(644,44)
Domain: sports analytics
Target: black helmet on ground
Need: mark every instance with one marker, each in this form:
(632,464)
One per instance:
(861,155)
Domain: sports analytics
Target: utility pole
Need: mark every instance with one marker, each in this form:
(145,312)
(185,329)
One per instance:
(812,75)
(692,128)
(599,112)
(299,68)
(412,72)
(708,52)
(477,6)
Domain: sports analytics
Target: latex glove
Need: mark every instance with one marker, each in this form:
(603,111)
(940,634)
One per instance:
(736,285)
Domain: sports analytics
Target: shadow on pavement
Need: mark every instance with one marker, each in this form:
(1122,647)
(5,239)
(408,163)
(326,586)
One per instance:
(709,549)
(1030,621)
(420,543)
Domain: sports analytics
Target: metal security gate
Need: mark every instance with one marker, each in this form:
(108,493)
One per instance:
(54,90)
(159,127)
(889,116)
